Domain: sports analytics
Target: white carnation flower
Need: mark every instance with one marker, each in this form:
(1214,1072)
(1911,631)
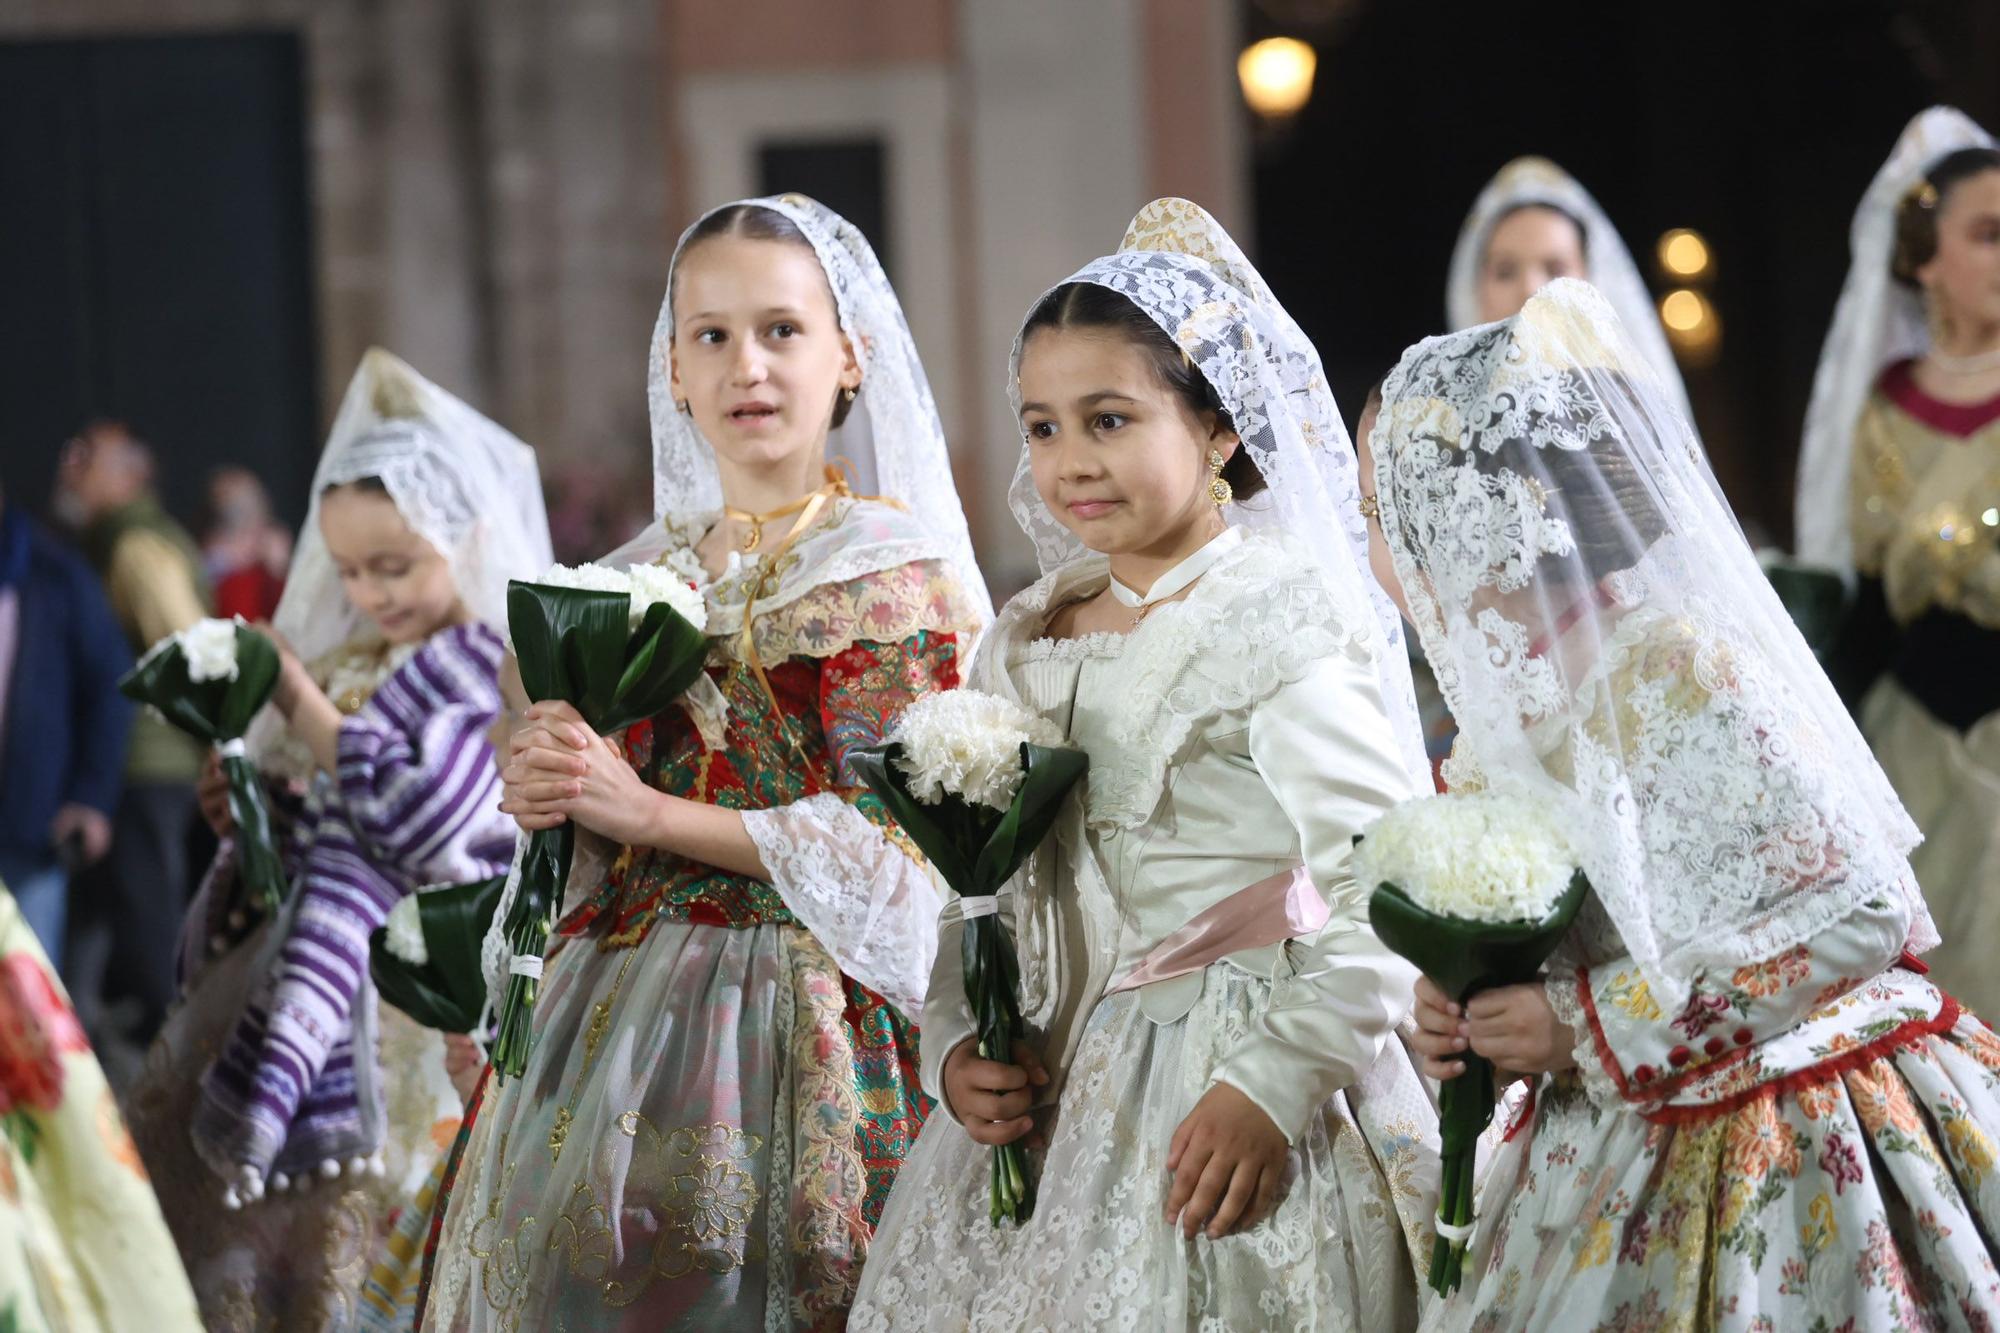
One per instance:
(644,584)
(405,937)
(968,743)
(659,583)
(592,578)
(210,649)
(1476,856)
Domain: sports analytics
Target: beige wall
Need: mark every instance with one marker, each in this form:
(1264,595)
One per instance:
(497,183)
(1021,137)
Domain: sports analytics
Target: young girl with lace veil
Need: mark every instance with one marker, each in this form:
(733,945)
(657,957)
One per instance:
(1225,1130)
(290,1122)
(1749,1109)
(1899,491)
(722,1081)
(1531,224)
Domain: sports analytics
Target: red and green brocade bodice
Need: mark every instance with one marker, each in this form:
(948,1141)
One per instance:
(835,693)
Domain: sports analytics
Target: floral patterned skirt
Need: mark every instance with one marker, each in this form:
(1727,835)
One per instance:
(82,1246)
(707,1127)
(1869,1199)
(1097,1253)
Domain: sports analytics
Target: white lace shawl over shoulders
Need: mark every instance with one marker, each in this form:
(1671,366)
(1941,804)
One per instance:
(1252,625)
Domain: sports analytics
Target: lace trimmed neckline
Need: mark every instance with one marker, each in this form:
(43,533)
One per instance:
(1101,643)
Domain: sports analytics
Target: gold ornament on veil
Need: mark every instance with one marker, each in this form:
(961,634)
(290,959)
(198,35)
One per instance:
(393,394)
(1183,227)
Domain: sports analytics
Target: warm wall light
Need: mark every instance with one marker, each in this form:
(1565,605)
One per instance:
(1683,311)
(1692,326)
(1277,76)
(1684,253)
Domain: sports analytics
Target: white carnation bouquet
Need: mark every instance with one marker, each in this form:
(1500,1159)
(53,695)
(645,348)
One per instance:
(425,959)
(619,646)
(1476,889)
(210,680)
(1476,856)
(975,781)
(968,743)
(644,586)
(403,932)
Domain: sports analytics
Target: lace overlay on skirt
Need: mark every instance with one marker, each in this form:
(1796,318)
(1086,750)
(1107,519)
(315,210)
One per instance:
(638,1178)
(1097,1253)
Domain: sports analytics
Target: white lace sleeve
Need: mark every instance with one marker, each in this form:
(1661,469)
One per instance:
(874,908)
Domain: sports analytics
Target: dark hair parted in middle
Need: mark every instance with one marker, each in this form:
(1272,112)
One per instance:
(757,223)
(1086,305)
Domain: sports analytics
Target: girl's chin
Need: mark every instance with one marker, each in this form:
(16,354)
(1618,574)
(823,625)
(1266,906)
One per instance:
(407,629)
(758,449)
(1100,540)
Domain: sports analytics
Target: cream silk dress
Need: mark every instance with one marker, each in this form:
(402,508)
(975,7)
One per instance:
(1231,737)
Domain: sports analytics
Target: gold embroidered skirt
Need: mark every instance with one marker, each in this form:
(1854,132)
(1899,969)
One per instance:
(683,1152)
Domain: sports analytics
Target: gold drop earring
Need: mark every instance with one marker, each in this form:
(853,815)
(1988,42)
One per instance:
(1219,489)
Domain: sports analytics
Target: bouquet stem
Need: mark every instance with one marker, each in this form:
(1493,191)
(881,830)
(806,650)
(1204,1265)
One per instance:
(1465,1108)
(261,872)
(992,981)
(544,871)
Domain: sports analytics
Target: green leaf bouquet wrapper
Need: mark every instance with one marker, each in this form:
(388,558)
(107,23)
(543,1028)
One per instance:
(578,645)
(448,990)
(217,712)
(976,849)
(1465,957)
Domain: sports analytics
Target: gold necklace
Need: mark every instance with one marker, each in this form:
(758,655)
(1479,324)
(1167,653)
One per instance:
(753,537)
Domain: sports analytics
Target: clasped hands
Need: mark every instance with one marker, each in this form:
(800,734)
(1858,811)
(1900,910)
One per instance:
(558,769)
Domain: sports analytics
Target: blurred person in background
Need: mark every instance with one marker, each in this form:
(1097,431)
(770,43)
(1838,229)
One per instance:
(1899,495)
(593,508)
(63,724)
(244,551)
(127,911)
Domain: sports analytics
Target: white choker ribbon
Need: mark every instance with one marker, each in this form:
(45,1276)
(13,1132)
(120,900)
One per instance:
(1178,579)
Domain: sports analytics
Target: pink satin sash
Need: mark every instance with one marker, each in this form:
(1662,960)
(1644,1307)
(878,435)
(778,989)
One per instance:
(1271,911)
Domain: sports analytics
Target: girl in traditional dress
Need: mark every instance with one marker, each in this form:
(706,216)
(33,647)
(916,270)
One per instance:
(290,1121)
(1749,1109)
(1899,483)
(1228,1133)
(82,1245)
(1532,224)
(723,1081)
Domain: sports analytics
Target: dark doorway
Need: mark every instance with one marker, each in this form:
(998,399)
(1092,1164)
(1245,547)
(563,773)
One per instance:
(155,261)
(849,176)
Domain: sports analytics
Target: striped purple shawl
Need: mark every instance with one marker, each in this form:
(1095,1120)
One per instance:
(298,1083)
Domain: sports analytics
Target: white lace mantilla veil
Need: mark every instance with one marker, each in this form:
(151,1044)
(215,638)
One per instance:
(1184,271)
(1602,634)
(1877,322)
(1536,180)
(892,434)
(464,484)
